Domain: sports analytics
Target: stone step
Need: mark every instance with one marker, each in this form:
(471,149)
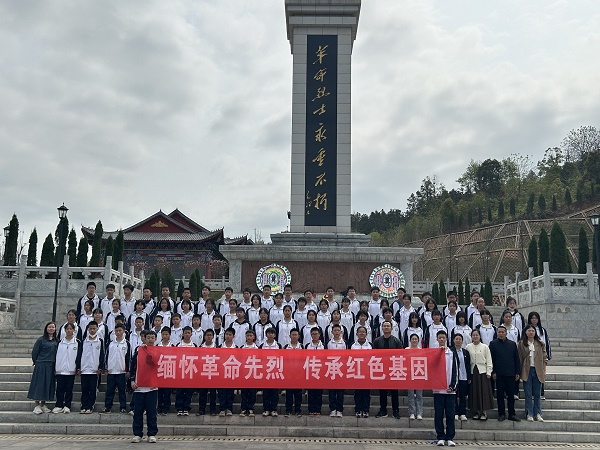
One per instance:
(318,427)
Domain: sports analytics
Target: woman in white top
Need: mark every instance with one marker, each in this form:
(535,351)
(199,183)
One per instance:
(481,397)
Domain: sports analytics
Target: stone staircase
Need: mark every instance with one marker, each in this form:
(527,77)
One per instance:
(571,409)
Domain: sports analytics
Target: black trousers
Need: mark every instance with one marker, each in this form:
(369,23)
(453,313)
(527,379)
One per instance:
(315,400)
(362,400)
(115,381)
(248,399)
(204,395)
(383,400)
(145,401)
(225,399)
(64,390)
(293,401)
(183,399)
(164,400)
(88,390)
(461,397)
(505,385)
(270,399)
(336,400)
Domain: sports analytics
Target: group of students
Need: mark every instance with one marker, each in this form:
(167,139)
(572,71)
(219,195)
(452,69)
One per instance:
(103,335)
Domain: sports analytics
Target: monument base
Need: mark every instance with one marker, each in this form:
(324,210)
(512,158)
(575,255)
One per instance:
(321,239)
(318,266)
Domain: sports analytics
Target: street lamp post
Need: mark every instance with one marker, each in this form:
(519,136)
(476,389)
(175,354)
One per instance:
(596,221)
(62,214)
(456,261)
(6,232)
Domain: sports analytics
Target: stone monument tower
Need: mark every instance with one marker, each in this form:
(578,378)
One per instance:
(320,249)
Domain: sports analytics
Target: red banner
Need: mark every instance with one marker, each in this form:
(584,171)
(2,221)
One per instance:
(174,367)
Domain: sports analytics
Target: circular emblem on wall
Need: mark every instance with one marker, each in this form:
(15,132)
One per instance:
(388,279)
(275,275)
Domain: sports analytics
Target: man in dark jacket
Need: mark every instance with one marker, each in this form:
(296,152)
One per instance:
(507,368)
(386,340)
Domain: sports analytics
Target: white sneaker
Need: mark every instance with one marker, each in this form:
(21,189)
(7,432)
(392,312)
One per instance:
(440,443)
(529,418)
(265,413)
(37,409)
(332,413)
(152,439)
(339,414)
(273,413)
(451,444)
(463,417)
(516,397)
(412,417)
(539,418)
(136,440)
(456,417)
(419,417)
(58,410)
(45,409)
(66,410)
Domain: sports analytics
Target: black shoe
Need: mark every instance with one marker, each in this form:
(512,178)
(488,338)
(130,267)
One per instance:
(396,414)
(381,414)
(105,411)
(514,418)
(501,418)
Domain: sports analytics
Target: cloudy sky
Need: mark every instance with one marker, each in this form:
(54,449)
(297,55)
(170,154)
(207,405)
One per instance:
(119,109)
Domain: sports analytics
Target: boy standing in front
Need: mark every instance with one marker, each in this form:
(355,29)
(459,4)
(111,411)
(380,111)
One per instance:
(444,401)
(144,398)
(118,354)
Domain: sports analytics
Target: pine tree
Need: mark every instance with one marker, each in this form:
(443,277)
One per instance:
(532,256)
(97,246)
(554,204)
(199,282)
(72,248)
(559,262)
(501,210)
(482,290)
(109,250)
(512,207)
(435,292)
(32,250)
(489,214)
(568,199)
(479,215)
(584,251)
(488,292)
(12,242)
(461,293)
(467,291)
(470,218)
(118,249)
(530,203)
(544,247)
(579,195)
(62,229)
(168,280)
(542,204)
(194,286)
(180,288)
(47,256)
(442,293)
(82,252)
(154,283)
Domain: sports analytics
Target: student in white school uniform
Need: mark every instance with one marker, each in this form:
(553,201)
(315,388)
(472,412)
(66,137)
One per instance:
(474,296)
(293,397)
(89,295)
(336,396)
(209,394)
(68,363)
(487,330)
(426,313)
(246,302)
(462,328)
(261,327)
(354,303)
(267,301)
(398,303)
(183,396)
(415,396)
(187,312)
(347,317)
(324,315)
(87,316)
(414,327)
(310,303)
(107,301)
(518,319)
(362,397)
(72,319)
(444,401)
(186,295)
(451,297)
(248,395)
(230,316)
(197,331)
(226,394)
(241,326)
(270,396)
(138,312)
(336,319)
(362,320)
(306,331)
(206,317)
(513,333)
(315,396)
(287,297)
(432,330)
(450,317)
(252,313)
(128,301)
(164,394)
(401,316)
(149,304)
(330,297)
(375,302)
(118,355)
(284,326)
(299,315)
(176,329)
(92,364)
(276,311)
(135,335)
(164,310)
(205,295)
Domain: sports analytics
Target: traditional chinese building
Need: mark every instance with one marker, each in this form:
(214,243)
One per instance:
(174,241)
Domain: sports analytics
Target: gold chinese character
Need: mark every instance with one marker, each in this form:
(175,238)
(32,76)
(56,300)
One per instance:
(320,133)
(321,92)
(320,75)
(321,110)
(321,199)
(320,157)
(321,53)
(320,179)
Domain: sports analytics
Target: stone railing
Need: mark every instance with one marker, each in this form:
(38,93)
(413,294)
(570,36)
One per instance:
(216,283)
(8,313)
(554,287)
(16,280)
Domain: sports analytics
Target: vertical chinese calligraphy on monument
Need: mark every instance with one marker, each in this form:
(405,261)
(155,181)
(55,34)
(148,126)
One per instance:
(321,130)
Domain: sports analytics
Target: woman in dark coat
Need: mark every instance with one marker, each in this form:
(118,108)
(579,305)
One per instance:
(42,387)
